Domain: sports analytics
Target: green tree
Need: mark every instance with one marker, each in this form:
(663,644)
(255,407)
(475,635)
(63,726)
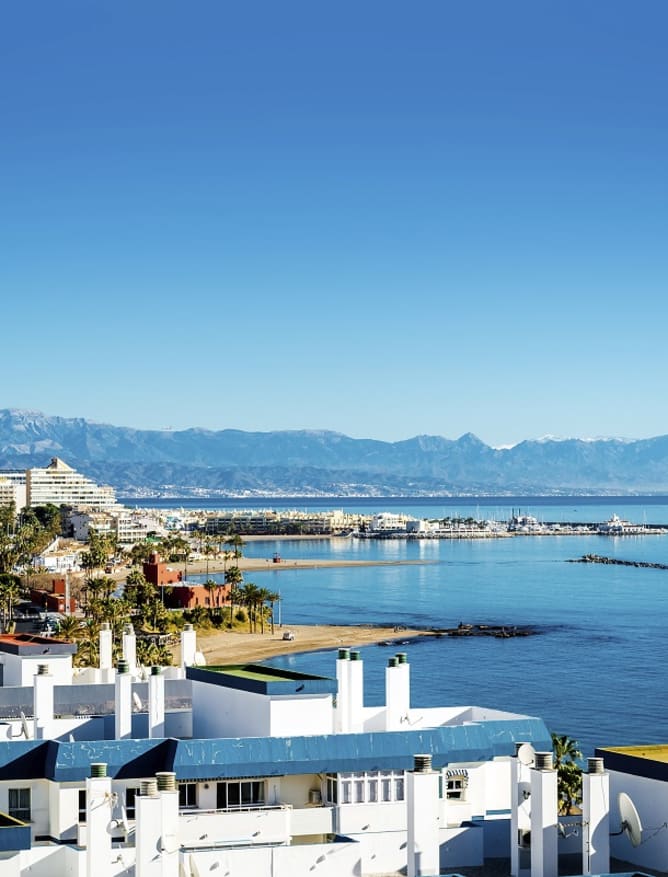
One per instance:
(251,598)
(234,578)
(569,773)
(272,598)
(10,594)
(69,628)
(236,544)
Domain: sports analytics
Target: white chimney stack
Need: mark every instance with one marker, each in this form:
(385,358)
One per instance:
(342,714)
(43,683)
(188,645)
(355,692)
(106,652)
(148,830)
(169,838)
(130,648)
(422,847)
(123,716)
(520,812)
(156,704)
(595,818)
(544,820)
(397,692)
(98,817)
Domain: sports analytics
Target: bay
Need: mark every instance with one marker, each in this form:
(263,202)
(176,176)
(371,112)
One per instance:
(596,668)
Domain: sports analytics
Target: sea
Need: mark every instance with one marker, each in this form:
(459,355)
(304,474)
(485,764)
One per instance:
(596,668)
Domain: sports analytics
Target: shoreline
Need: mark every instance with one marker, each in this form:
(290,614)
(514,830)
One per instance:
(240,646)
(237,647)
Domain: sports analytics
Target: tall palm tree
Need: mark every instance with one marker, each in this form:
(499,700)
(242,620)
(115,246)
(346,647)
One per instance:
(10,594)
(234,578)
(236,543)
(569,772)
(251,598)
(272,598)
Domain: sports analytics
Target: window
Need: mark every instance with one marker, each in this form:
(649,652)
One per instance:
(130,806)
(19,804)
(456,783)
(365,788)
(240,793)
(187,795)
(82,805)
(331,792)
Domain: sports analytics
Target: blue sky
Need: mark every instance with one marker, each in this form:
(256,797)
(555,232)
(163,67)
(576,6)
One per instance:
(385,219)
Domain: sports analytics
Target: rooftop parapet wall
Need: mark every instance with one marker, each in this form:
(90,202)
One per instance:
(262,680)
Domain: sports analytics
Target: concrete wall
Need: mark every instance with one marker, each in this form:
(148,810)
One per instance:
(244,826)
(224,712)
(19,669)
(325,860)
(309,714)
(651,801)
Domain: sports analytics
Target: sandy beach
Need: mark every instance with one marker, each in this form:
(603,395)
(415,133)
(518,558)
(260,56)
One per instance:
(235,647)
(253,564)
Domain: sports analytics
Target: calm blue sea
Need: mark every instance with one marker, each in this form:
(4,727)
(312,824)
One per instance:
(597,669)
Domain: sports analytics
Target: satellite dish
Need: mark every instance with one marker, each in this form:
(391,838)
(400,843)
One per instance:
(136,700)
(631,824)
(526,755)
(194,870)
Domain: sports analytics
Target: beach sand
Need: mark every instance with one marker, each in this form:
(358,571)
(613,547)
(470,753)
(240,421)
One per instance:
(237,647)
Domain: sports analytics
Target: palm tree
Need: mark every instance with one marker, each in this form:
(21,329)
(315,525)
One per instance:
(251,597)
(272,598)
(236,544)
(69,628)
(10,594)
(569,772)
(234,578)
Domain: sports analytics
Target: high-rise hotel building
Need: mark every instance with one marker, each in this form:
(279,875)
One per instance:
(59,484)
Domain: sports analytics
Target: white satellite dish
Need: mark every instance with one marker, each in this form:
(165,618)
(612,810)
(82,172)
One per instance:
(136,700)
(526,755)
(194,870)
(631,824)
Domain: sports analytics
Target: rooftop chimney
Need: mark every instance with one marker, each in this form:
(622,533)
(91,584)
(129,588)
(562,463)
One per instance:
(123,715)
(156,704)
(43,683)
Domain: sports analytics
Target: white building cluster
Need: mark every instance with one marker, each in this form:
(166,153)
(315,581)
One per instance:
(124,771)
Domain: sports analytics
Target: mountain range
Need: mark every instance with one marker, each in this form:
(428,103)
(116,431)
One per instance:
(231,462)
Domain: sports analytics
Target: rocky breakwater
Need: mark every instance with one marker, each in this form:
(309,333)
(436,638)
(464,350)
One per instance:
(615,561)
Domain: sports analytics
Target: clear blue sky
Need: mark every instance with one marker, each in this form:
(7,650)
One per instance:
(381,218)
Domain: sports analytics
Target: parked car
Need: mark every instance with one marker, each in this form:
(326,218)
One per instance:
(288,634)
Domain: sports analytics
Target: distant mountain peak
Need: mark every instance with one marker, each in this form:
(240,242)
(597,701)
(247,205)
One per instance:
(320,462)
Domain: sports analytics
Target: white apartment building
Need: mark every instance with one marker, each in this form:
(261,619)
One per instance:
(59,484)
(13,488)
(128,527)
